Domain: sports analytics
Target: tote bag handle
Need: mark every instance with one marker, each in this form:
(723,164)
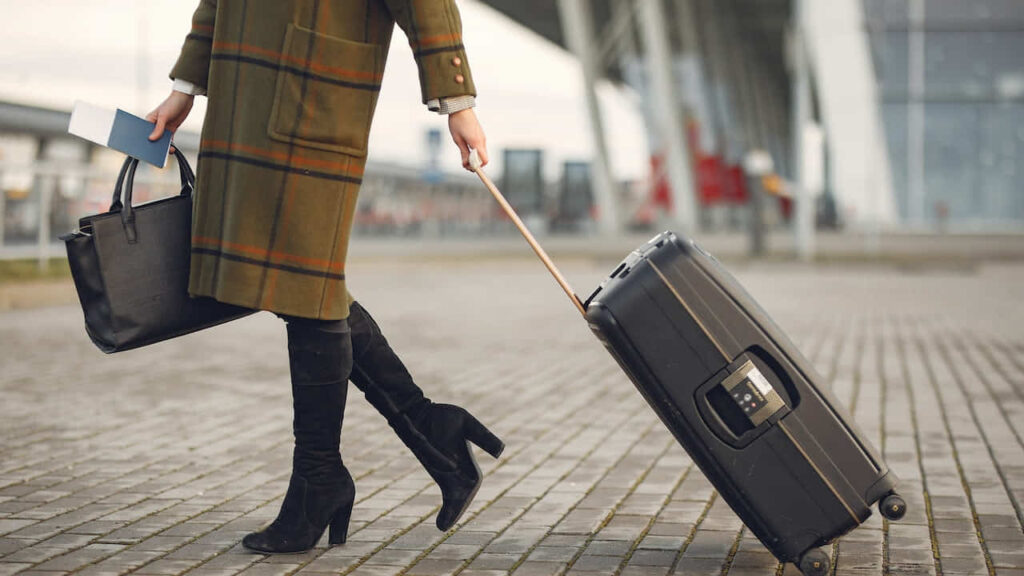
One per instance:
(188,179)
(122,200)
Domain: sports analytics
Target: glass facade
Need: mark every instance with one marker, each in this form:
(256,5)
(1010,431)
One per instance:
(972,99)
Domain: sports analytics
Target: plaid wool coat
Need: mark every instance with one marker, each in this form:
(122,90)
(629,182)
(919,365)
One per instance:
(292,86)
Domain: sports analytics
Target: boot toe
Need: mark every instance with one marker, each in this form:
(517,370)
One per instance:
(455,502)
(451,511)
(270,541)
(257,542)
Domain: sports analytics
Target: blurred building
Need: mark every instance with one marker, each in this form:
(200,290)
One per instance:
(868,114)
(873,113)
(49,179)
(951,79)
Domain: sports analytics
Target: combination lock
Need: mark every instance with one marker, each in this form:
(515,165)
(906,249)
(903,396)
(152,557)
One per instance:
(752,392)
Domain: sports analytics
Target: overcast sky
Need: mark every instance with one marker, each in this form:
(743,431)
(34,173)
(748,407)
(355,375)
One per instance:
(118,54)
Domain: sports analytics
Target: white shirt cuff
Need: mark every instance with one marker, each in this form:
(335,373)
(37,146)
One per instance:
(451,105)
(187,87)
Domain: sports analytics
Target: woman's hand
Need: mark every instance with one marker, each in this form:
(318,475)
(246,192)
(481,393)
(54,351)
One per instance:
(468,135)
(170,113)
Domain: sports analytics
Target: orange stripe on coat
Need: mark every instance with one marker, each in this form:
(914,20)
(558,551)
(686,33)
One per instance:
(292,159)
(263,252)
(344,72)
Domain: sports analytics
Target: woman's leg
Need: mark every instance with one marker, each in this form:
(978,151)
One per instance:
(437,434)
(320,491)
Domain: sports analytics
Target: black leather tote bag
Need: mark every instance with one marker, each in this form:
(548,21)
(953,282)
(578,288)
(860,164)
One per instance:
(131,266)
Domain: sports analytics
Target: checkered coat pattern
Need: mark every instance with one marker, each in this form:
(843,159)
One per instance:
(292,86)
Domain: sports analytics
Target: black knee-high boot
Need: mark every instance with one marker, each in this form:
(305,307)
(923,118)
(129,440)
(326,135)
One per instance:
(320,491)
(437,434)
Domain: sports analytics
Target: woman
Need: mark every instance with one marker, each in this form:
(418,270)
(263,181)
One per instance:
(292,86)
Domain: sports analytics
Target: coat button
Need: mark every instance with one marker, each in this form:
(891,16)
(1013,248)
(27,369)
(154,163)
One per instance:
(456,61)
(459,79)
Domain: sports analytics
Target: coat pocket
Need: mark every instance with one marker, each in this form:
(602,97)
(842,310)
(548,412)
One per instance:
(326,92)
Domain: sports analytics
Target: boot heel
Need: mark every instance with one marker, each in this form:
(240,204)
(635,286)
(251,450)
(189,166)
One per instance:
(478,434)
(339,525)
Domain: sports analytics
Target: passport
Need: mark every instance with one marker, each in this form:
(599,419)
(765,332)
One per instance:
(121,131)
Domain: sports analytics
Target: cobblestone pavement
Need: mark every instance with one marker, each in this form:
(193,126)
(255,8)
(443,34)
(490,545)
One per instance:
(157,461)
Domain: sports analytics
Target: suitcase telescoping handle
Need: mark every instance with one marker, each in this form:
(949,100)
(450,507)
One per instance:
(474,162)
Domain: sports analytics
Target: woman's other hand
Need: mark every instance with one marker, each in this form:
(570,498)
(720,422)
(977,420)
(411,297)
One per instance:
(170,113)
(468,135)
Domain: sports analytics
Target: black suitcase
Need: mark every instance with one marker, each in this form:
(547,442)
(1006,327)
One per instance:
(737,394)
(741,399)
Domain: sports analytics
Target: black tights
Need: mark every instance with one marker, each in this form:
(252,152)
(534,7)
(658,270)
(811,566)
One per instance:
(319,360)
(320,351)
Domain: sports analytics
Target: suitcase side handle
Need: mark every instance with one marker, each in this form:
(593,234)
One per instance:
(474,162)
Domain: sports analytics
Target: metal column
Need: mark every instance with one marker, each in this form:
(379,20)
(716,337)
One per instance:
(44,185)
(742,82)
(579,35)
(677,156)
(915,114)
(47,185)
(3,211)
(801,87)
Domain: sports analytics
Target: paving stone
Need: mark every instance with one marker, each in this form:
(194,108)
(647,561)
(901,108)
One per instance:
(368,570)
(430,567)
(1009,546)
(699,566)
(553,554)
(910,556)
(655,542)
(748,559)
(634,570)
(609,547)
(953,525)
(530,568)
(954,564)
(264,569)
(591,483)
(501,562)
(1008,559)
(710,545)
(595,563)
(453,552)
(8,525)
(390,557)
(653,558)
(331,564)
(8,545)
(34,554)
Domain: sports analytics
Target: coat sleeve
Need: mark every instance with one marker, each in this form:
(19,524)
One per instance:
(193,64)
(434,29)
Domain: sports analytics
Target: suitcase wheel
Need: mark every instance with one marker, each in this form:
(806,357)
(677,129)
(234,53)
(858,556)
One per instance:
(815,562)
(892,507)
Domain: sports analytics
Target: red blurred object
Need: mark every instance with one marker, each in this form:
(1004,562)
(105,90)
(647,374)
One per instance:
(736,185)
(709,180)
(716,181)
(786,205)
(661,193)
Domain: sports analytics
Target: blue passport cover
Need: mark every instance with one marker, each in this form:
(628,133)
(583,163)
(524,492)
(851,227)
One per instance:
(130,134)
